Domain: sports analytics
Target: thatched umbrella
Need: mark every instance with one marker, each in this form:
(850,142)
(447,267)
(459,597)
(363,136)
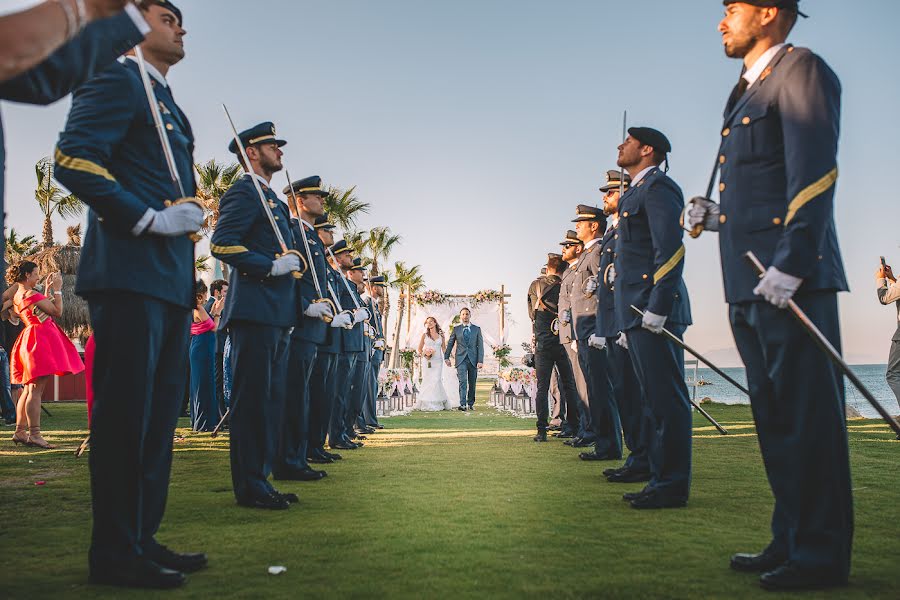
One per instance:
(75,320)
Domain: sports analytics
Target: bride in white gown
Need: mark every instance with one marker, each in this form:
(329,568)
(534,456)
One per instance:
(433,395)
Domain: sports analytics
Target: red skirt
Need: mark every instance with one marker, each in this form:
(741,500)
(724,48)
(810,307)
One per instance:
(41,350)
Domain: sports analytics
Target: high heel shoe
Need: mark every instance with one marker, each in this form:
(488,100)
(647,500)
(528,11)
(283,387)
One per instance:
(35,439)
(20,439)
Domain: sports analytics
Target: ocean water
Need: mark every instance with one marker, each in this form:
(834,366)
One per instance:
(872,377)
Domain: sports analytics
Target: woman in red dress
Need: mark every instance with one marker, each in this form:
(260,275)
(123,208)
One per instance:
(41,350)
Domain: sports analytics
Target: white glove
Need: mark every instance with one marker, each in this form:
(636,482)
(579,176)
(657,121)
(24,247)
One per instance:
(342,320)
(318,310)
(360,315)
(777,287)
(611,275)
(652,322)
(379,344)
(284,264)
(597,342)
(178,219)
(566,317)
(703,211)
(591,285)
(622,340)
(574,346)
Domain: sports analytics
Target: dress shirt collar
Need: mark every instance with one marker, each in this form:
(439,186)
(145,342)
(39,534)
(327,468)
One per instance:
(754,72)
(307,225)
(639,176)
(589,243)
(152,71)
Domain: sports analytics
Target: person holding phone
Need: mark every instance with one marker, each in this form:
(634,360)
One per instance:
(889,291)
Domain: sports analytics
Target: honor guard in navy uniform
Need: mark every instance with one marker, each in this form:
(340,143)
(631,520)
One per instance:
(377,287)
(572,248)
(137,275)
(625,385)
(354,423)
(93,49)
(323,382)
(776,198)
(648,266)
(352,347)
(260,311)
(604,431)
(543,307)
(306,201)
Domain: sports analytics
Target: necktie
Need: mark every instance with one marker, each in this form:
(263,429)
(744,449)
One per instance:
(466,333)
(736,94)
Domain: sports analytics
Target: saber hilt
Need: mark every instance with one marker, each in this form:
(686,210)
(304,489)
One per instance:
(262,198)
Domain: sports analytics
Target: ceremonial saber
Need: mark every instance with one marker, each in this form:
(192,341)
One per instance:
(826,347)
(163,137)
(262,198)
(697,229)
(622,169)
(312,264)
(701,358)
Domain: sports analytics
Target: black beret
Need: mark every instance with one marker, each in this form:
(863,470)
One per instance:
(264,133)
(168,5)
(786,4)
(651,137)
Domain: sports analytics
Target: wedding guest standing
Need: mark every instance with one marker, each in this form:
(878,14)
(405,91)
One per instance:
(260,311)
(778,156)
(136,273)
(572,248)
(625,386)
(649,263)
(41,350)
(204,409)
(549,354)
(218,291)
(889,293)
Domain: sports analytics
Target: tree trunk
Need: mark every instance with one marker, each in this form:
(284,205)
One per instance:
(48,232)
(395,347)
(385,309)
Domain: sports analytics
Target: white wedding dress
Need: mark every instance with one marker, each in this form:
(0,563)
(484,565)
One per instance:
(433,395)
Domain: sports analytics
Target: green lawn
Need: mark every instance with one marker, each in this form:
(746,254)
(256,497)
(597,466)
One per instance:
(443,505)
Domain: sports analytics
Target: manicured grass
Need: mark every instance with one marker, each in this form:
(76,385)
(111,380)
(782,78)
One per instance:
(443,505)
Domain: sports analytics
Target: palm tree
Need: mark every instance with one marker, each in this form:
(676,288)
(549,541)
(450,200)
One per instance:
(379,244)
(356,241)
(53,199)
(344,207)
(18,247)
(201,264)
(214,179)
(408,281)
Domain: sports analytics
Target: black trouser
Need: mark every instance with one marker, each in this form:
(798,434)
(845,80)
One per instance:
(370,412)
(259,362)
(139,378)
(605,422)
(220,380)
(346,365)
(892,375)
(358,390)
(322,388)
(293,445)
(627,392)
(797,396)
(548,355)
(579,419)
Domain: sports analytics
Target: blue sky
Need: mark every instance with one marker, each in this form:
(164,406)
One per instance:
(474,128)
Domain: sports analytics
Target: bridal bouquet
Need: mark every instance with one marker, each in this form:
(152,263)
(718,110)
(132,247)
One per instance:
(428,353)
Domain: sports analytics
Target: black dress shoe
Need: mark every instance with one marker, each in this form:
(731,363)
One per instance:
(332,455)
(629,496)
(306,474)
(767,560)
(138,573)
(564,434)
(375,426)
(541,436)
(595,456)
(319,460)
(471,407)
(628,476)
(186,563)
(290,497)
(656,500)
(367,430)
(790,576)
(343,446)
(572,441)
(613,470)
(462,408)
(553,428)
(582,443)
(267,501)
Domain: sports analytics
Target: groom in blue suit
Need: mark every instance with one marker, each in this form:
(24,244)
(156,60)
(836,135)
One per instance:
(469,357)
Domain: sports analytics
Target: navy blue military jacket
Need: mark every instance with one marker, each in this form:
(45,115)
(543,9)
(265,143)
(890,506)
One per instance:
(333,342)
(110,156)
(245,240)
(98,45)
(312,330)
(375,321)
(351,339)
(607,323)
(778,170)
(650,253)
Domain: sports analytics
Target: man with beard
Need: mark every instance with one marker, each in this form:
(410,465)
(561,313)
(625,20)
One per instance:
(649,262)
(778,157)
(260,310)
(137,275)
(571,251)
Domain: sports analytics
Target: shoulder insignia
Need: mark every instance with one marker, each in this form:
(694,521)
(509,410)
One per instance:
(765,73)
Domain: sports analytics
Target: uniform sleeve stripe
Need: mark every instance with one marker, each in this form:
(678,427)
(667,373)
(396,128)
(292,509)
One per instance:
(83,165)
(810,193)
(225,250)
(670,264)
